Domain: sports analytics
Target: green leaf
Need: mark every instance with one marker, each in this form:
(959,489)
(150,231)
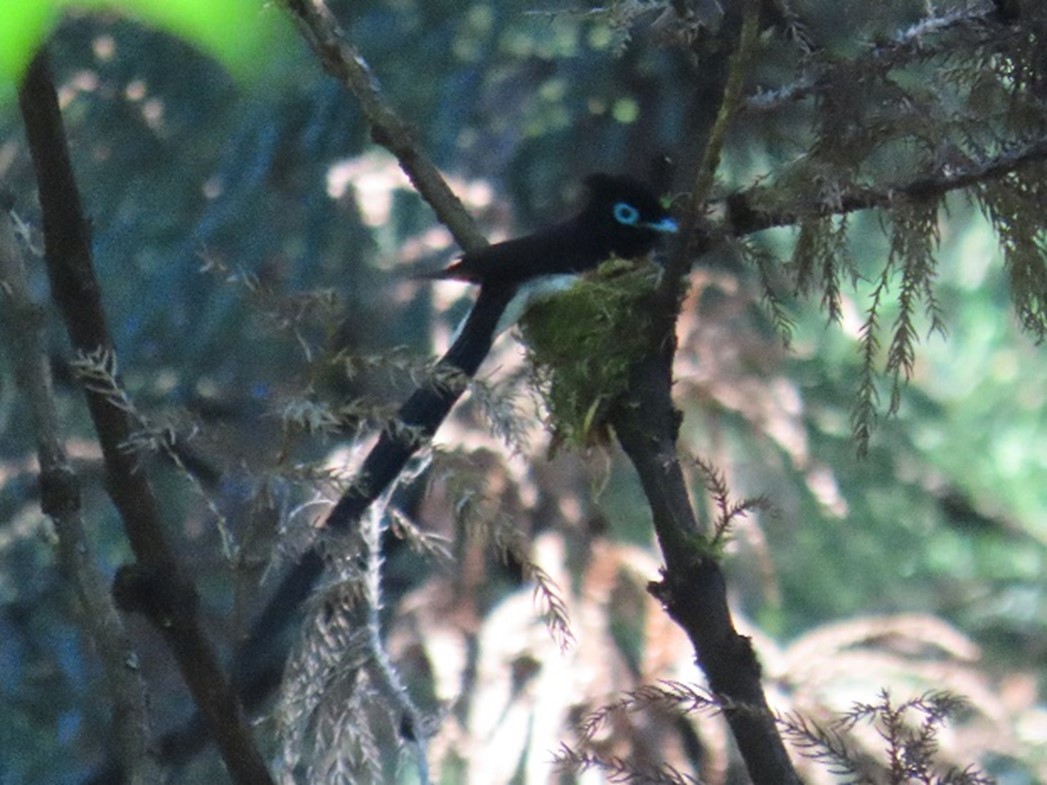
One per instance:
(242,34)
(26,23)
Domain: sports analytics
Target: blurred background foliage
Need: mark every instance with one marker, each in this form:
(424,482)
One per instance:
(249,237)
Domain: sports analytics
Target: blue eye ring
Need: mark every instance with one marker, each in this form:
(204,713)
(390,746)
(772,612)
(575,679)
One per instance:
(626,214)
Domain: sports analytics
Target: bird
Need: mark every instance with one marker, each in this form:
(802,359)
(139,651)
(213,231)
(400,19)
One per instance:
(621,218)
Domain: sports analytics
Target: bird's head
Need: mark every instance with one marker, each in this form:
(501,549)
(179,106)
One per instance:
(625,215)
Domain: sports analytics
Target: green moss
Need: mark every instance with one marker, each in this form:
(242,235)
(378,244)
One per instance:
(583,342)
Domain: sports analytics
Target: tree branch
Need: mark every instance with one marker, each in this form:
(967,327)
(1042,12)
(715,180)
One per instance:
(730,103)
(743,216)
(342,60)
(160,586)
(692,588)
(906,47)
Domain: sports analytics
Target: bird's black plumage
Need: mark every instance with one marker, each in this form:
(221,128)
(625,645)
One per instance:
(621,218)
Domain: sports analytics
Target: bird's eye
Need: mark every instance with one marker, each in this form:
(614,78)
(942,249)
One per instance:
(626,214)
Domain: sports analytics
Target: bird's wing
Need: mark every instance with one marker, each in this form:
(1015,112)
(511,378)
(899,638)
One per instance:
(558,249)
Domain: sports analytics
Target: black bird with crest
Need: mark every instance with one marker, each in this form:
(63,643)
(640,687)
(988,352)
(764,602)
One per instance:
(622,218)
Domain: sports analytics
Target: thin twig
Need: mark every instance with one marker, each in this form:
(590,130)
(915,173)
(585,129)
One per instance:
(344,62)
(906,47)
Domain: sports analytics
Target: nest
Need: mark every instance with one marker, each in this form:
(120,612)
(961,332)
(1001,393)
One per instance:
(582,344)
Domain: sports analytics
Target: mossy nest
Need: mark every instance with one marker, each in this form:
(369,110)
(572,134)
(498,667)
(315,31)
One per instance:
(583,342)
